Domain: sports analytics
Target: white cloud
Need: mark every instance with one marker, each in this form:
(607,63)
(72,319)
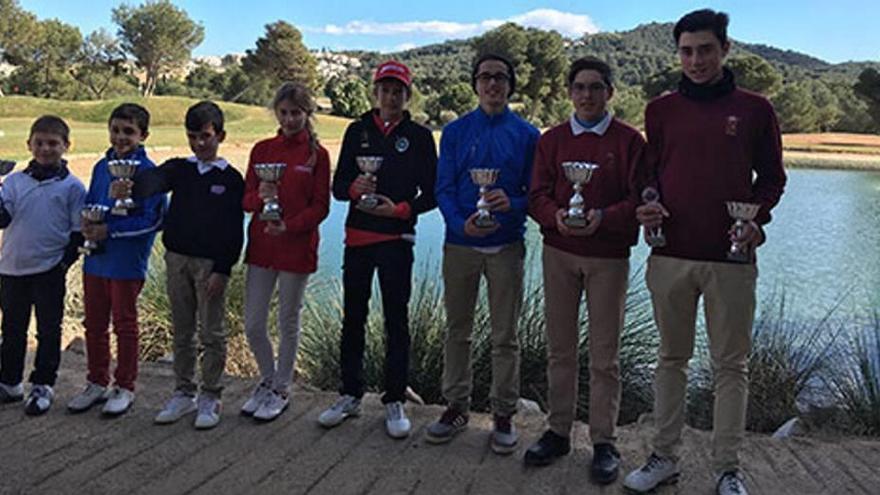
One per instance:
(404,46)
(566,23)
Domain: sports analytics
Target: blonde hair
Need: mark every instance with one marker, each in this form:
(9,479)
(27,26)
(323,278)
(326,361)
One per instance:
(301,96)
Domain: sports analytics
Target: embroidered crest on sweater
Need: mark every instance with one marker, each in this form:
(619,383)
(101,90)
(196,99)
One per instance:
(732,124)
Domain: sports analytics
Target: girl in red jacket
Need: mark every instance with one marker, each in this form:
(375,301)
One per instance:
(283,251)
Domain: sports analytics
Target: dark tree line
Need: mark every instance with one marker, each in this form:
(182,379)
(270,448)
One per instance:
(150,51)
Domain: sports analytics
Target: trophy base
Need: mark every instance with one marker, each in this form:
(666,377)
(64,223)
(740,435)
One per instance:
(368,203)
(657,241)
(120,212)
(739,256)
(485,222)
(575,222)
(270,216)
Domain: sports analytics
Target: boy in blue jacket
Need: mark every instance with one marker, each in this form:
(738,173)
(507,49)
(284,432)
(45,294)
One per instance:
(490,137)
(114,274)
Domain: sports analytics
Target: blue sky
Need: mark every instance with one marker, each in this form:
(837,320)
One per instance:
(834,31)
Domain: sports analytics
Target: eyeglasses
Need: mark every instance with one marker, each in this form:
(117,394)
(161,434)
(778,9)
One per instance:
(595,87)
(499,77)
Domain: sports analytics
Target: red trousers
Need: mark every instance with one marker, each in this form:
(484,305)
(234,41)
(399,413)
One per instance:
(105,300)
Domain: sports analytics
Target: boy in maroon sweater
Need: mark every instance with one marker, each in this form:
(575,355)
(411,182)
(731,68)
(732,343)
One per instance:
(593,258)
(708,143)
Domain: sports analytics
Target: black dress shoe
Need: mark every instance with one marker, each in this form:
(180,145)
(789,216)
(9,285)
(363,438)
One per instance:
(606,463)
(547,449)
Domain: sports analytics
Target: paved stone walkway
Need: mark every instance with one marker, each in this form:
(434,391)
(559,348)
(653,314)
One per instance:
(86,454)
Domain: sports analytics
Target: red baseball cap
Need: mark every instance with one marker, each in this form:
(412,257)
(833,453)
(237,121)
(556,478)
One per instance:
(393,70)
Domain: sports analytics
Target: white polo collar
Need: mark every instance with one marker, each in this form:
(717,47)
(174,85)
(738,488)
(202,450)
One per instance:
(599,129)
(205,167)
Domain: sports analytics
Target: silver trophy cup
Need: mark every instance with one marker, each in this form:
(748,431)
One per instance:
(92,214)
(6,166)
(270,172)
(369,165)
(742,213)
(653,236)
(579,174)
(485,178)
(123,169)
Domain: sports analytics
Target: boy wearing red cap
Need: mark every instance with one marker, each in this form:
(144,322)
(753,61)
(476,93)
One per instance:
(379,237)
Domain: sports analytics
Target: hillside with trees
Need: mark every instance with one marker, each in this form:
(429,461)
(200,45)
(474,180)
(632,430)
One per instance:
(51,59)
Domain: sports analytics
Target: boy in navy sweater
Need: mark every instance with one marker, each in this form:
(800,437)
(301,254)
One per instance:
(113,276)
(203,236)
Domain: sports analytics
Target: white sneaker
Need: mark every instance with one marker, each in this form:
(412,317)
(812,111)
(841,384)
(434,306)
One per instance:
(655,472)
(39,400)
(256,399)
(346,406)
(177,407)
(118,402)
(92,394)
(11,393)
(396,423)
(209,412)
(731,483)
(272,407)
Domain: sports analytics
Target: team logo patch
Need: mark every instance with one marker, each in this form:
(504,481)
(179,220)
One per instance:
(732,124)
(218,189)
(401,145)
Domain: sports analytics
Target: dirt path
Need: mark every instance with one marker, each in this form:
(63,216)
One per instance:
(59,453)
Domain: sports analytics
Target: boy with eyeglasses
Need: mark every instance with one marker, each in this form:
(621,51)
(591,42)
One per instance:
(592,258)
(489,137)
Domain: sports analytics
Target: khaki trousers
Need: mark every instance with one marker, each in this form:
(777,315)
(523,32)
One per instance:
(462,268)
(566,276)
(193,311)
(728,292)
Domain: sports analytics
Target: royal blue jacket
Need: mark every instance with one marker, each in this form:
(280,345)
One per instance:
(124,254)
(478,140)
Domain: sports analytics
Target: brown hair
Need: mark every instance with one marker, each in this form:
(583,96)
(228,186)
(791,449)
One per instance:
(301,96)
(51,124)
(133,112)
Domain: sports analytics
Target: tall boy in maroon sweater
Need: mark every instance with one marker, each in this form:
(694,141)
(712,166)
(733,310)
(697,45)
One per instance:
(708,143)
(593,258)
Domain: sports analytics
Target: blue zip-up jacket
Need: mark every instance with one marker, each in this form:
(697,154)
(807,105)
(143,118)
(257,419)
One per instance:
(125,252)
(478,140)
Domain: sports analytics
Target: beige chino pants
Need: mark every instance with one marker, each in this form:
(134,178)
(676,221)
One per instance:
(728,292)
(566,277)
(193,312)
(462,269)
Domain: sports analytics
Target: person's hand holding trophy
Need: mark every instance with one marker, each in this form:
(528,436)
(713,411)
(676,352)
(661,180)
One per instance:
(482,223)
(650,214)
(745,235)
(574,220)
(365,185)
(93,227)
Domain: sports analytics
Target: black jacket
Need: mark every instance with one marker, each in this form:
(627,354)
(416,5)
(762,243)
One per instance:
(407,173)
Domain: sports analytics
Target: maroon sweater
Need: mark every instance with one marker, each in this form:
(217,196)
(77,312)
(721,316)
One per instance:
(618,153)
(705,153)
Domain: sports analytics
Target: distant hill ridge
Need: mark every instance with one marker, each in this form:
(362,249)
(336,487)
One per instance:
(635,55)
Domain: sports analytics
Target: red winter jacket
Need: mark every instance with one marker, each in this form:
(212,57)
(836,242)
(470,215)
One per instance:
(304,195)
